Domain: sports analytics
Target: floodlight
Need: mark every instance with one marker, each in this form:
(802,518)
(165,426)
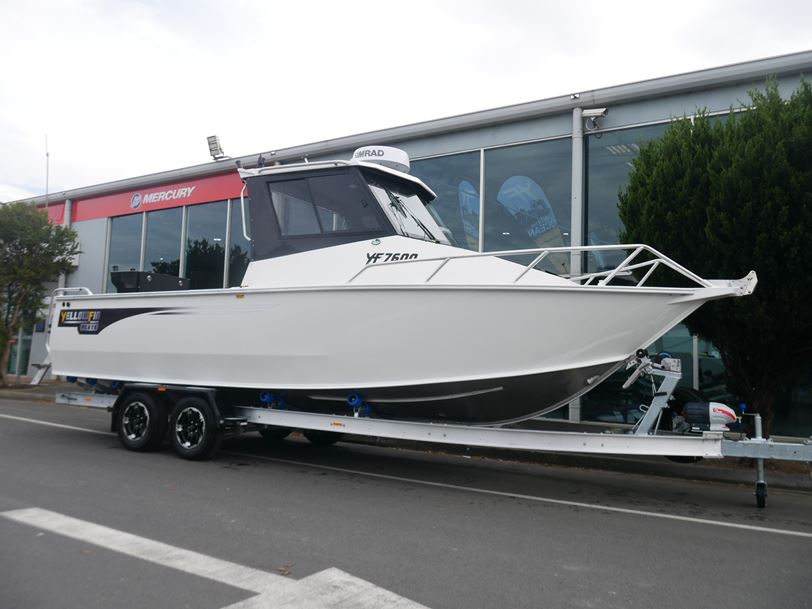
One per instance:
(215,150)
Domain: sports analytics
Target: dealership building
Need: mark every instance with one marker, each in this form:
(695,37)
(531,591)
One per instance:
(536,174)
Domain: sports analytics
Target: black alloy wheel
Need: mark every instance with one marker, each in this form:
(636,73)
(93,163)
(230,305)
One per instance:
(141,422)
(194,429)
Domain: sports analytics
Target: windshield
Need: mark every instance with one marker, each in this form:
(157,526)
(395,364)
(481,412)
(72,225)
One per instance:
(410,213)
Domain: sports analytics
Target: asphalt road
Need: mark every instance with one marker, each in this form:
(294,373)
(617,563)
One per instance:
(298,526)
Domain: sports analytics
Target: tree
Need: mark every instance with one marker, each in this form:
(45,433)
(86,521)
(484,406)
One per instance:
(726,196)
(32,252)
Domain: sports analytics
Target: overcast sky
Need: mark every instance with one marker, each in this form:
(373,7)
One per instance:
(125,88)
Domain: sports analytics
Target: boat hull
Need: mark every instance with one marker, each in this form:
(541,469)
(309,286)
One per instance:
(475,402)
(482,355)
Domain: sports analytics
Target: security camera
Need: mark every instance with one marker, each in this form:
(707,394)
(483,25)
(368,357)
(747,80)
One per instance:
(592,115)
(595,112)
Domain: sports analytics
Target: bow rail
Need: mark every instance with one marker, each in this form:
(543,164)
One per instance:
(600,278)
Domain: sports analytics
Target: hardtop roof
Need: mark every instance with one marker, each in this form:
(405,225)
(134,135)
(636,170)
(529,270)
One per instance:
(303,167)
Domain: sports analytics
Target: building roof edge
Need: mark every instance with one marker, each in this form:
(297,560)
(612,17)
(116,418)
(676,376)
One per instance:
(707,78)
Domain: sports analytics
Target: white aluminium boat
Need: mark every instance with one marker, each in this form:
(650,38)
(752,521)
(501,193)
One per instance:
(356,295)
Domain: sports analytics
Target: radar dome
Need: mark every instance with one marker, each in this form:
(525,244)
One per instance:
(394,158)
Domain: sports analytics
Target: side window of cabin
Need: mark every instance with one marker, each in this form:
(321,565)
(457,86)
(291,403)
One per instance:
(294,211)
(330,204)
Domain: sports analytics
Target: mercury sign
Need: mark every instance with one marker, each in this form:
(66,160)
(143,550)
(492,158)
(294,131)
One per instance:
(161,195)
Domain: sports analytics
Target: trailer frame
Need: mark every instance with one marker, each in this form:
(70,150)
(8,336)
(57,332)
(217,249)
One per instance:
(644,439)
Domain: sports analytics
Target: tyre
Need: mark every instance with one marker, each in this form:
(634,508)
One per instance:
(141,422)
(322,438)
(273,434)
(194,429)
(761,494)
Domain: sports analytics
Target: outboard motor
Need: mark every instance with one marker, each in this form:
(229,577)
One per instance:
(709,416)
(692,412)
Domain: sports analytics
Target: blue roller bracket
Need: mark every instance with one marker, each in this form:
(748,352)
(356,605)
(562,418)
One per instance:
(276,402)
(359,407)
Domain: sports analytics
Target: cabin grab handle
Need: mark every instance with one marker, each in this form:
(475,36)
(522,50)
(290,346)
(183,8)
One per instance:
(242,213)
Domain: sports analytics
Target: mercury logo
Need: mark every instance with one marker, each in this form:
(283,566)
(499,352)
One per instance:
(163,195)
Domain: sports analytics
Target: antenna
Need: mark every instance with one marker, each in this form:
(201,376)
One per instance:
(47,164)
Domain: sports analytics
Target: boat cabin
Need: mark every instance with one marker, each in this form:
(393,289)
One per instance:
(308,206)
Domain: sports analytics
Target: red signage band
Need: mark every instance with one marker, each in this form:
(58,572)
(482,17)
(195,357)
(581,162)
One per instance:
(164,196)
(56,212)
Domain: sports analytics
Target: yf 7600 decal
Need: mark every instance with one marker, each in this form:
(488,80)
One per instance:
(388,257)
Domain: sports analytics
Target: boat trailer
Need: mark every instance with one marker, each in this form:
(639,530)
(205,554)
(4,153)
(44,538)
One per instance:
(646,438)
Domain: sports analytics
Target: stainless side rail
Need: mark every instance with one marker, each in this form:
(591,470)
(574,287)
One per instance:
(600,277)
(242,213)
(54,294)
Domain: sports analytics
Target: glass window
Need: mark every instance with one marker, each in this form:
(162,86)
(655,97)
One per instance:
(163,241)
(293,208)
(712,373)
(342,205)
(239,254)
(407,209)
(528,198)
(455,181)
(323,204)
(21,349)
(205,245)
(793,413)
(609,159)
(125,244)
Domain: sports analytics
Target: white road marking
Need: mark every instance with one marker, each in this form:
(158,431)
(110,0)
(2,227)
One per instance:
(331,588)
(145,549)
(328,589)
(472,489)
(60,425)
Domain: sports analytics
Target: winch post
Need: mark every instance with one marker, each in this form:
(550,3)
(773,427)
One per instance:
(659,402)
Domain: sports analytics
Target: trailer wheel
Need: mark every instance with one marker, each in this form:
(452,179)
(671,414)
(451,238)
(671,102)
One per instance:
(195,433)
(273,434)
(322,438)
(141,422)
(761,494)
